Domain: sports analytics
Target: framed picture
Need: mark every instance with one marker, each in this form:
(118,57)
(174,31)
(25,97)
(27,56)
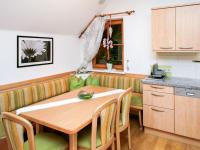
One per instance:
(34,51)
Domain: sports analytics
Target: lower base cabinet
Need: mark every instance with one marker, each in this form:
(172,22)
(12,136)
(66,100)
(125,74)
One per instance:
(158,118)
(187,116)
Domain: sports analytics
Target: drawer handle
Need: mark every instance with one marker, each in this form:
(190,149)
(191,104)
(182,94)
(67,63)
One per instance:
(166,47)
(157,95)
(157,110)
(190,94)
(156,87)
(186,47)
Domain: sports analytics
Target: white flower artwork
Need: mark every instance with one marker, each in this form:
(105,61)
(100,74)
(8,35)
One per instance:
(34,51)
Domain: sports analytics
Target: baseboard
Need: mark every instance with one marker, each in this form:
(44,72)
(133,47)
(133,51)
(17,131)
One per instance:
(171,136)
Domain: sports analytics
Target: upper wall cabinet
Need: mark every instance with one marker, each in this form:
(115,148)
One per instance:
(176,29)
(163,26)
(188,28)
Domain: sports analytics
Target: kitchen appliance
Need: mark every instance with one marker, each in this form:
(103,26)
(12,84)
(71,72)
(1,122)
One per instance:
(157,73)
(187,120)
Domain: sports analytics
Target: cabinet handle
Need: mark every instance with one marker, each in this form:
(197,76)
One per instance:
(190,94)
(154,109)
(156,87)
(185,47)
(157,95)
(166,47)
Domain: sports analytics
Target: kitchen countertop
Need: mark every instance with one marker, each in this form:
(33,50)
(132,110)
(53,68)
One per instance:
(175,82)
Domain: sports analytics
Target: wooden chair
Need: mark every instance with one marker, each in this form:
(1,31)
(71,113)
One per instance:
(43,141)
(137,106)
(100,136)
(122,117)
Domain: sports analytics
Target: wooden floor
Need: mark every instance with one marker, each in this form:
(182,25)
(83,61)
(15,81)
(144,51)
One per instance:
(141,141)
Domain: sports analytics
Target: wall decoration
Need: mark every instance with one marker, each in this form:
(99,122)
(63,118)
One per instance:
(33,51)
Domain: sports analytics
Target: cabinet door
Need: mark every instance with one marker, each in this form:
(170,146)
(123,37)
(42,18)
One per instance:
(187,116)
(188,28)
(163,29)
(158,99)
(158,118)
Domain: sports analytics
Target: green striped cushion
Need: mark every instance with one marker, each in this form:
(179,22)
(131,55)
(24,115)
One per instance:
(28,96)
(125,107)
(38,92)
(15,134)
(61,86)
(120,82)
(2,133)
(136,84)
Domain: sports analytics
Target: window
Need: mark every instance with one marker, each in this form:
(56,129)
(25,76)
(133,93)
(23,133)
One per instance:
(117,52)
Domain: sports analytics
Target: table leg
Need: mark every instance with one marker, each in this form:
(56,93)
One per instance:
(73,141)
(39,128)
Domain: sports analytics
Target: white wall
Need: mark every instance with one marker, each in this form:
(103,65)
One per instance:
(137,34)
(66,57)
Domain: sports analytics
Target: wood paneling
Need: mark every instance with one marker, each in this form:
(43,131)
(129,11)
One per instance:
(187,116)
(158,99)
(163,29)
(188,28)
(159,118)
(158,88)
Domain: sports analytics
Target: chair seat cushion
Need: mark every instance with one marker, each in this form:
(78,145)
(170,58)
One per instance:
(48,141)
(136,101)
(84,138)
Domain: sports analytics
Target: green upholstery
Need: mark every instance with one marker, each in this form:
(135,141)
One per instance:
(23,96)
(33,93)
(2,133)
(91,80)
(125,108)
(84,138)
(76,83)
(15,134)
(119,81)
(136,100)
(48,141)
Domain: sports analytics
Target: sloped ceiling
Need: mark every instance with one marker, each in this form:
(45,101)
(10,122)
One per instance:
(50,16)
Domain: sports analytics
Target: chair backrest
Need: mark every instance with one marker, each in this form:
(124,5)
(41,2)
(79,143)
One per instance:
(123,109)
(106,113)
(11,124)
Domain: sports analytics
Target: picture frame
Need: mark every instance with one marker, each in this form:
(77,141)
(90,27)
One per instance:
(34,51)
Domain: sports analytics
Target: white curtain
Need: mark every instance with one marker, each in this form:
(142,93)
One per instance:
(92,40)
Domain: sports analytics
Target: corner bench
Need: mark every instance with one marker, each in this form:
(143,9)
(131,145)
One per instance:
(13,98)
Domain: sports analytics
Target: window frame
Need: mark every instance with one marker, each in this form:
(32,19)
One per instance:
(117,67)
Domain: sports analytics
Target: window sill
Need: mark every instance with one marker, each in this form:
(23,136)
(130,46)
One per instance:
(114,71)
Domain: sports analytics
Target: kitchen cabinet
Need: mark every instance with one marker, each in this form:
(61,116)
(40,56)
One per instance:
(187,114)
(176,29)
(163,27)
(158,107)
(188,28)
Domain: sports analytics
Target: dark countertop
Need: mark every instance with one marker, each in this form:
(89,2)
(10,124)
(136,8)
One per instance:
(175,82)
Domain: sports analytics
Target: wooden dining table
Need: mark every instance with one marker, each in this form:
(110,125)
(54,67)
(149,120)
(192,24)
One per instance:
(69,118)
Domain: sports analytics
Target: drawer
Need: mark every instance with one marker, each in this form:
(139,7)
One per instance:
(158,99)
(158,118)
(158,88)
